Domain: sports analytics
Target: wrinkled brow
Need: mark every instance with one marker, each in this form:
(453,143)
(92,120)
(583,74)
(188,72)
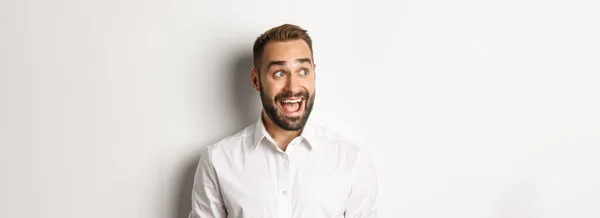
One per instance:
(282,63)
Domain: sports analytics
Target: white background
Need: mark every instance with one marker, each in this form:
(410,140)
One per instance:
(470,109)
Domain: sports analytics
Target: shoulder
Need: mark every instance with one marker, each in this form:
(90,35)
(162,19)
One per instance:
(229,143)
(337,143)
(345,152)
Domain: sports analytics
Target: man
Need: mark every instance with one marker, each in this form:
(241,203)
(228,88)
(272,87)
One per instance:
(284,165)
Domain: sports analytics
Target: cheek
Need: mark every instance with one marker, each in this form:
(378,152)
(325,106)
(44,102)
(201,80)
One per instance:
(270,92)
(272,89)
(310,86)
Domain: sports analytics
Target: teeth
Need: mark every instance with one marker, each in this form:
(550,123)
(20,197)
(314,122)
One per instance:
(291,101)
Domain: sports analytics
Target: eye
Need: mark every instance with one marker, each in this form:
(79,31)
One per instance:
(279,74)
(303,72)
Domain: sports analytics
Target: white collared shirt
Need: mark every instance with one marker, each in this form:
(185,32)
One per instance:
(320,175)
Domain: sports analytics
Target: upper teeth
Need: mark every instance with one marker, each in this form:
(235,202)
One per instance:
(292,101)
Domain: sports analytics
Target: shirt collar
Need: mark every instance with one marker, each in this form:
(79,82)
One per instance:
(260,132)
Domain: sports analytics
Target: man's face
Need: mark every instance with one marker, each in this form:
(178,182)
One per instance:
(286,83)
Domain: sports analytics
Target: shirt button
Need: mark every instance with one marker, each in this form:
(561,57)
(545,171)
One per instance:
(284,192)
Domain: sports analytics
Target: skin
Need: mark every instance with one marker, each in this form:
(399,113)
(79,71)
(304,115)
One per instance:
(287,71)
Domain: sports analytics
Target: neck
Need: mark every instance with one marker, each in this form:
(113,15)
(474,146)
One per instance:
(281,136)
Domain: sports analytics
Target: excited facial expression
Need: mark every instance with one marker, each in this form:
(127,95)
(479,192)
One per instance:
(286,81)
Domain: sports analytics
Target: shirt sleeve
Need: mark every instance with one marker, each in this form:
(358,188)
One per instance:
(363,197)
(207,201)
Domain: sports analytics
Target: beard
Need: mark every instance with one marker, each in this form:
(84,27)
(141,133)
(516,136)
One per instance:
(284,122)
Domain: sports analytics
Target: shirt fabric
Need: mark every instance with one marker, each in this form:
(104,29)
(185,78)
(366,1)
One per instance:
(320,175)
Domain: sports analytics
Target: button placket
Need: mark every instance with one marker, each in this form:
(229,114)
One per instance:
(284,181)
(285,175)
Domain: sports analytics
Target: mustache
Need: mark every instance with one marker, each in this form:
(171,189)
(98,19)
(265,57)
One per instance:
(288,94)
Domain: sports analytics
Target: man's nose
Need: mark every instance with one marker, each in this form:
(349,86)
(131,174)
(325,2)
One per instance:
(293,84)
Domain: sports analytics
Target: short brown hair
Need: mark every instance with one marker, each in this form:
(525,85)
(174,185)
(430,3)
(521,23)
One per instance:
(283,32)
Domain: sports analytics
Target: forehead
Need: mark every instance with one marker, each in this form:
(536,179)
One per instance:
(286,50)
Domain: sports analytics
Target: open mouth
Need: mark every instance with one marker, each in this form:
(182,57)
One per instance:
(291,106)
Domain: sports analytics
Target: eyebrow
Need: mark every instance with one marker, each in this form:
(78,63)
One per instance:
(281,63)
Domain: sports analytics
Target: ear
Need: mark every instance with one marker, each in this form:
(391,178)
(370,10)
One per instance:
(315,70)
(254,78)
